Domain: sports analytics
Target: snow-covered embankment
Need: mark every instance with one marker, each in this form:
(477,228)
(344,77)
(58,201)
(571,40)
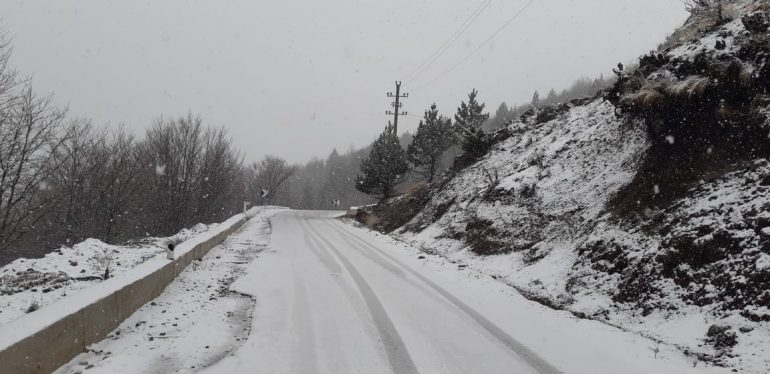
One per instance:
(48,338)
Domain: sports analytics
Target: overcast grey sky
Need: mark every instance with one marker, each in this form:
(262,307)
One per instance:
(296,78)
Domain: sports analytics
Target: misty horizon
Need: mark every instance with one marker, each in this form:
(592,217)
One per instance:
(320,82)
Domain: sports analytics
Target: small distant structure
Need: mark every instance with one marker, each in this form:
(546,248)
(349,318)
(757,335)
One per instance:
(335,203)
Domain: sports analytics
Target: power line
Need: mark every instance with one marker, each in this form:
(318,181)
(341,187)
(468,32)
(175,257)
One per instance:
(448,43)
(505,25)
(451,39)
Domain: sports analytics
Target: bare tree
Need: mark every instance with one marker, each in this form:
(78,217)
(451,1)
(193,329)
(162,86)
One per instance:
(31,135)
(191,172)
(120,185)
(267,178)
(100,175)
(173,149)
(219,192)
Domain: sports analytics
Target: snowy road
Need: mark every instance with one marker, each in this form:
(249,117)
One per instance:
(331,298)
(328,297)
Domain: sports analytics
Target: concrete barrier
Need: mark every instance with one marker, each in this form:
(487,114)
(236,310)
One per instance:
(42,341)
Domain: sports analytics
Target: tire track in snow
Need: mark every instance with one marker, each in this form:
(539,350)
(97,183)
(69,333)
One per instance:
(396,270)
(529,356)
(398,356)
(387,265)
(350,290)
(322,255)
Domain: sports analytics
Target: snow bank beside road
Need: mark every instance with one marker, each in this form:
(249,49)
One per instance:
(196,321)
(26,283)
(53,335)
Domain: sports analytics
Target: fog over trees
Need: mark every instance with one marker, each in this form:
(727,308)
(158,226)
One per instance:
(64,179)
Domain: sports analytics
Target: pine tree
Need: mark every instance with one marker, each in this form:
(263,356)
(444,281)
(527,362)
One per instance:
(501,117)
(468,121)
(475,145)
(551,98)
(385,167)
(470,116)
(536,99)
(434,136)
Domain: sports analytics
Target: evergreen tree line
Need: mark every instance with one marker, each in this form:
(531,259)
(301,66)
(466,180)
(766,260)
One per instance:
(388,164)
(583,87)
(442,141)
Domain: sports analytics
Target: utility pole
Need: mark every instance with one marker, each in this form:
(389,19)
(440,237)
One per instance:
(396,106)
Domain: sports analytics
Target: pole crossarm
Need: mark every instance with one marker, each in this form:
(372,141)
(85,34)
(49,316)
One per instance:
(397,105)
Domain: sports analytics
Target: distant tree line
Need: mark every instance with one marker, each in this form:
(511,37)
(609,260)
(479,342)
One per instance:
(580,88)
(323,184)
(64,179)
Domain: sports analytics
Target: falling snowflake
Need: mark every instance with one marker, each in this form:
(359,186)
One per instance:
(670,139)
(656,189)
(160,169)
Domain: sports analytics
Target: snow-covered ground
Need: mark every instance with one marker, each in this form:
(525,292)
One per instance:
(28,284)
(322,296)
(194,323)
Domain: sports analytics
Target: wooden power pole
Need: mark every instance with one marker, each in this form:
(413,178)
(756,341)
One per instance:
(396,106)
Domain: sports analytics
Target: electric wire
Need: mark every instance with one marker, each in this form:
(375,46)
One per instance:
(472,53)
(427,63)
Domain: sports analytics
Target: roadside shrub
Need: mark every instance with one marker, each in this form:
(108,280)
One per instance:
(480,237)
(536,158)
(550,113)
(636,287)
(606,256)
(102,262)
(475,145)
(33,306)
(721,337)
(442,209)
(697,251)
(756,22)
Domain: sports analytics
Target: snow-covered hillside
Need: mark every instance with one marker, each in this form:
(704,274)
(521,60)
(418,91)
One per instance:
(577,208)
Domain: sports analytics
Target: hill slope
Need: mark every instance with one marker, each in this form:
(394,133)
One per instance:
(647,207)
